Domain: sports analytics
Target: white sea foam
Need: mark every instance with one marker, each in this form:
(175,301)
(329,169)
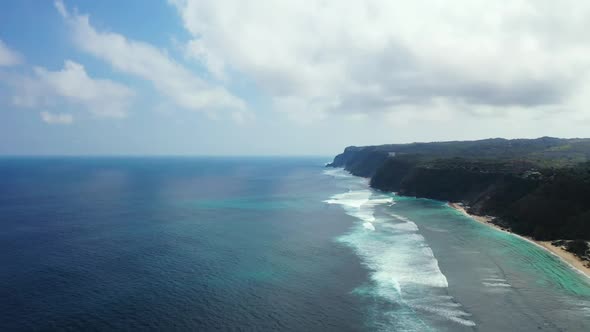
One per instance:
(403,227)
(468,252)
(436,229)
(360,203)
(451,313)
(402,218)
(572,307)
(496,284)
(583,307)
(494,279)
(404,268)
(352,199)
(338,173)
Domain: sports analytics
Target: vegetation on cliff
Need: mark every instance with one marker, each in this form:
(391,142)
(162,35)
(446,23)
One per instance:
(535,187)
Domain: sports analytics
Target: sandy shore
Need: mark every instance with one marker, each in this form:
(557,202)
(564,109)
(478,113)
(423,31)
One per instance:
(576,263)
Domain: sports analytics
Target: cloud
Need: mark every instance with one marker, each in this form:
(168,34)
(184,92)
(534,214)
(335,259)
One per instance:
(147,62)
(61,8)
(57,118)
(71,86)
(330,57)
(8,57)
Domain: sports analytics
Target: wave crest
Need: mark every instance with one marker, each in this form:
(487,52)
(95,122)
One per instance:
(404,270)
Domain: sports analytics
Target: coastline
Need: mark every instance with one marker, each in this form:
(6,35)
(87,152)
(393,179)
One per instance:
(567,257)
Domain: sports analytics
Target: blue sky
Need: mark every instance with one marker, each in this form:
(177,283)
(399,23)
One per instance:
(228,77)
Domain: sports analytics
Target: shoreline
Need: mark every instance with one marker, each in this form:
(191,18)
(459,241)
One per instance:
(565,256)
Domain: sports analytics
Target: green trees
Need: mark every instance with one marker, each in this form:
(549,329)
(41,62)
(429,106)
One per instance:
(539,187)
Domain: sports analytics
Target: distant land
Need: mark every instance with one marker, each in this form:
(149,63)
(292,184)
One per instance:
(538,188)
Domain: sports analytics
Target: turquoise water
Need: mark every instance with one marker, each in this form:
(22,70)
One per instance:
(124,244)
(433,268)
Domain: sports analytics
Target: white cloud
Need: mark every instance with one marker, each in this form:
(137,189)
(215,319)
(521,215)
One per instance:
(143,60)
(8,57)
(71,86)
(57,118)
(61,8)
(325,57)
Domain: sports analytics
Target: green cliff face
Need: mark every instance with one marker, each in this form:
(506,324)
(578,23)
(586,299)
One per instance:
(537,187)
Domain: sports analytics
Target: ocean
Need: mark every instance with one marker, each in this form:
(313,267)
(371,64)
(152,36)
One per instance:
(146,243)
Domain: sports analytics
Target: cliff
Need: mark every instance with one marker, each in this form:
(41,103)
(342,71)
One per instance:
(538,187)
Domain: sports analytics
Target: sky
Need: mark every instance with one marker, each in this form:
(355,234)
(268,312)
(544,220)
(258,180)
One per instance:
(278,77)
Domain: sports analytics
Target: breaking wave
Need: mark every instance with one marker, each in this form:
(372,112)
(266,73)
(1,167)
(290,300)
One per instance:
(406,286)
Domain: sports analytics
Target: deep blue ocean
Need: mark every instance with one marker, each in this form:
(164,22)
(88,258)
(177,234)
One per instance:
(258,244)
